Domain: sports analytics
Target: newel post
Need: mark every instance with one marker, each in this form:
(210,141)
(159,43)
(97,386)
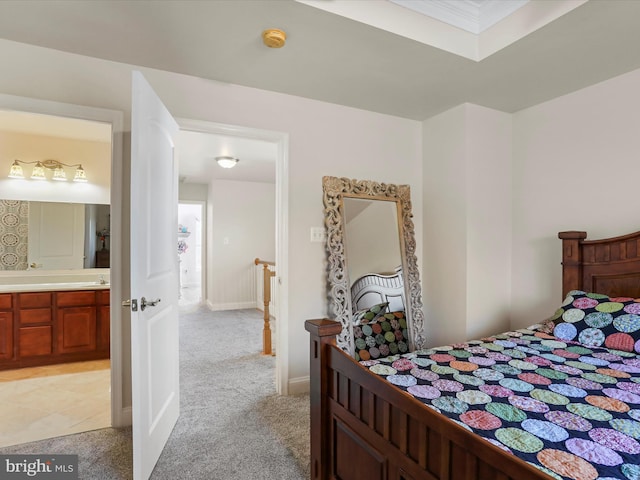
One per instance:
(571,260)
(323,333)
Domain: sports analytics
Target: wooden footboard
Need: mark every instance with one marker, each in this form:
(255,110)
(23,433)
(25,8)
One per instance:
(362,427)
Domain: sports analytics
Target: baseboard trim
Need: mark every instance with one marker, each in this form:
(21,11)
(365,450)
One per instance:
(299,385)
(125,418)
(230,306)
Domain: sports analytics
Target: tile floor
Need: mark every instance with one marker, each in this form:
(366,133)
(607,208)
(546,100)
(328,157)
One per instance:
(51,401)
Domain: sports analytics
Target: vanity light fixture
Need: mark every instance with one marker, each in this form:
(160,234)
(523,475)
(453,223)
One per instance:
(227,162)
(16,170)
(38,172)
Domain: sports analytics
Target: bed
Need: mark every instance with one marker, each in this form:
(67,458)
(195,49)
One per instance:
(369,420)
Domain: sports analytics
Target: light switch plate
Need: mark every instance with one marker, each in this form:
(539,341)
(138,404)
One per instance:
(318,234)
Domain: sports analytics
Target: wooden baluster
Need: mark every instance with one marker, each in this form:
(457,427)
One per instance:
(266,298)
(266,331)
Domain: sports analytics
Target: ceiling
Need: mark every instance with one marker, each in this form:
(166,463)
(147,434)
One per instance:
(197,152)
(474,16)
(333,58)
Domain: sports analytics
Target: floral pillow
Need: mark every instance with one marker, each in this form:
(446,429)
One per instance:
(385,336)
(370,314)
(596,320)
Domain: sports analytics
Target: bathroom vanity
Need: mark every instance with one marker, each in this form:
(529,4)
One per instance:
(48,323)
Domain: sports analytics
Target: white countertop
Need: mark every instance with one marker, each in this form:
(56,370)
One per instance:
(53,287)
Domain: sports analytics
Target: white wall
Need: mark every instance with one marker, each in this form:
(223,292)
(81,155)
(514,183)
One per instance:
(576,165)
(499,187)
(324,139)
(467,229)
(241,223)
(488,221)
(95,158)
(193,192)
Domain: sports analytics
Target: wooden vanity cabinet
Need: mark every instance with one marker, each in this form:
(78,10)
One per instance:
(76,321)
(6,328)
(34,324)
(41,328)
(104,320)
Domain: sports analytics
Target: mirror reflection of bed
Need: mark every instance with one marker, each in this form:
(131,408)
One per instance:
(372,245)
(373,289)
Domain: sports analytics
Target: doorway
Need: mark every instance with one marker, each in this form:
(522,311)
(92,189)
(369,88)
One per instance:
(91,401)
(191,228)
(279,167)
(39,109)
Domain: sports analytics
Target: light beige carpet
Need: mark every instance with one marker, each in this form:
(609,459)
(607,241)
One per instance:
(288,418)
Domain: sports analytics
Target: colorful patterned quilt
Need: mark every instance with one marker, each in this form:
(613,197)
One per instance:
(570,409)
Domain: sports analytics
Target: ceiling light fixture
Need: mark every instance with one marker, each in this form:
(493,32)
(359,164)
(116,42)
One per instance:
(227,162)
(38,172)
(274,38)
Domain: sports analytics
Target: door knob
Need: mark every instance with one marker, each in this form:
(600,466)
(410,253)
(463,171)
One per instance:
(144,303)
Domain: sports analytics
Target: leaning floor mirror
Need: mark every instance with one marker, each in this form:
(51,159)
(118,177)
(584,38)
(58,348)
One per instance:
(372,267)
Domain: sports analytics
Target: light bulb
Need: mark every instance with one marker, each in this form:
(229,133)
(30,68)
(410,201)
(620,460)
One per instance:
(80,175)
(16,170)
(38,172)
(59,175)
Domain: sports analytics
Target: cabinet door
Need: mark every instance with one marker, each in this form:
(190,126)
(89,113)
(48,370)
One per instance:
(34,341)
(6,336)
(76,329)
(34,315)
(76,299)
(35,300)
(104,328)
(6,301)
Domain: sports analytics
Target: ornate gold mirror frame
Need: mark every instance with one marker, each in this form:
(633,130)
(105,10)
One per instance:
(334,191)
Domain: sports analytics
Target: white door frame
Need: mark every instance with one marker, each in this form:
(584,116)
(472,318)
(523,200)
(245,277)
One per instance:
(282,229)
(120,415)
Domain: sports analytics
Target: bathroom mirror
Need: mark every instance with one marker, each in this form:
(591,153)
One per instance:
(370,231)
(53,235)
(48,223)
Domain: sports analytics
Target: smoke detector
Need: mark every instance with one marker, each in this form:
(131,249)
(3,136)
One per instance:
(274,38)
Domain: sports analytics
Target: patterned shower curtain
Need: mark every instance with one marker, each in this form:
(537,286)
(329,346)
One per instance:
(14,234)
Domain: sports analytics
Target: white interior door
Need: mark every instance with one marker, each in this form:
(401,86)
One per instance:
(154,277)
(56,235)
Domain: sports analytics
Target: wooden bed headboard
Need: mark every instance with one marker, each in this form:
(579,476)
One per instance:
(610,266)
